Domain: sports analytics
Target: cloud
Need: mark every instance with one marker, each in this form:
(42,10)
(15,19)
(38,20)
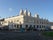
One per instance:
(10,9)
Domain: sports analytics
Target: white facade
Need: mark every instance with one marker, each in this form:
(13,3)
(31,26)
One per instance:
(26,20)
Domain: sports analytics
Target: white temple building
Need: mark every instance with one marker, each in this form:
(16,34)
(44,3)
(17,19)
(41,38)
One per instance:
(25,20)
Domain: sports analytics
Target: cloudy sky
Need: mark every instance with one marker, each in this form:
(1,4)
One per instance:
(12,7)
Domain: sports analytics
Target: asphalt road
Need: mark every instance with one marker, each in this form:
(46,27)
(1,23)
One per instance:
(36,35)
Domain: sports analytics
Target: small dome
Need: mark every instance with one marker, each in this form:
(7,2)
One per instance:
(25,12)
(36,15)
(29,13)
(21,12)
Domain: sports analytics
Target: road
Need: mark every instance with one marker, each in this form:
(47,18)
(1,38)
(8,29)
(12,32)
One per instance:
(36,35)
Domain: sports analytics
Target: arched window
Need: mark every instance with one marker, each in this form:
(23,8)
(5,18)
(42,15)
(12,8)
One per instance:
(17,26)
(37,26)
(26,26)
(34,26)
(40,26)
(20,26)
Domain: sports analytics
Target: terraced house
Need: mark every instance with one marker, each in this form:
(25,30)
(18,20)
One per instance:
(25,20)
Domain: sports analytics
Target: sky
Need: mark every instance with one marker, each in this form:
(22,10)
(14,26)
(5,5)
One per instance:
(12,7)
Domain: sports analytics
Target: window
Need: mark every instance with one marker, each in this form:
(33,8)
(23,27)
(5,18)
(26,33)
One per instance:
(40,26)
(30,25)
(17,20)
(37,26)
(14,25)
(17,26)
(42,22)
(37,21)
(26,26)
(44,26)
(11,21)
(34,26)
(8,21)
(5,21)
(20,26)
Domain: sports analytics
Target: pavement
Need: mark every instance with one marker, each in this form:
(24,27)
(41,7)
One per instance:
(35,35)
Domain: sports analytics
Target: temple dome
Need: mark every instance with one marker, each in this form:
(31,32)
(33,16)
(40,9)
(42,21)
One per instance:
(29,13)
(25,12)
(21,12)
(36,16)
